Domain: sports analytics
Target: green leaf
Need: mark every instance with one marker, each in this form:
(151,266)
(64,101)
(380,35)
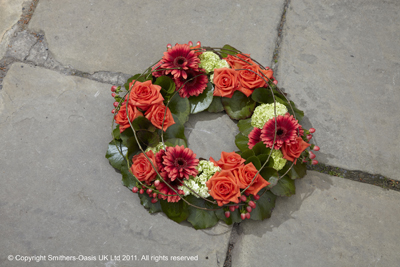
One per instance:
(245,126)
(142,123)
(116,133)
(175,142)
(263,158)
(228,50)
(128,179)
(201,102)
(180,107)
(115,148)
(298,170)
(297,112)
(241,141)
(264,206)
(177,211)
(145,200)
(199,218)
(260,148)
(176,130)
(238,107)
(247,154)
(216,105)
(166,83)
(147,138)
(284,187)
(268,172)
(256,162)
(129,141)
(234,218)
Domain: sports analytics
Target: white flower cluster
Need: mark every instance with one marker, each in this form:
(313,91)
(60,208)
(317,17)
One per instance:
(210,61)
(198,184)
(156,149)
(265,112)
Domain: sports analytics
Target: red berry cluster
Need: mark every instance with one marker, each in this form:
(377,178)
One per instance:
(152,191)
(115,90)
(311,155)
(245,208)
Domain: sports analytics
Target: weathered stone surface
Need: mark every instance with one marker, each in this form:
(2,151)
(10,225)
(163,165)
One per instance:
(129,36)
(60,196)
(329,222)
(340,64)
(211,133)
(10,12)
(21,45)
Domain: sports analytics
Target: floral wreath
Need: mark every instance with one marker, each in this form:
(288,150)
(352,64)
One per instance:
(150,149)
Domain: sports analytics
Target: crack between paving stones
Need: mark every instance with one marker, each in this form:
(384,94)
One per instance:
(275,56)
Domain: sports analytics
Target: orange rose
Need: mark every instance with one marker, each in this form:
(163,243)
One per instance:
(239,61)
(142,168)
(145,94)
(122,119)
(224,188)
(293,151)
(251,79)
(226,82)
(229,161)
(245,175)
(155,114)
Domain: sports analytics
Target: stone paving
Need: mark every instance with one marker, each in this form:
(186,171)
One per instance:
(338,62)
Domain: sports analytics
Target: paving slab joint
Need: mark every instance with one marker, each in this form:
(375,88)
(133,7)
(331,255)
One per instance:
(275,56)
(235,234)
(356,175)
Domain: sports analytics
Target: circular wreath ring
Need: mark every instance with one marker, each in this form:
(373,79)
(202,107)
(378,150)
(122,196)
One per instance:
(150,149)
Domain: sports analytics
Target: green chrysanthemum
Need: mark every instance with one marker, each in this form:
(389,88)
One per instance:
(198,184)
(279,161)
(265,112)
(210,61)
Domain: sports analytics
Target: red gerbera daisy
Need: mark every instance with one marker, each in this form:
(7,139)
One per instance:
(254,137)
(160,165)
(180,162)
(193,87)
(166,190)
(179,59)
(286,131)
(157,67)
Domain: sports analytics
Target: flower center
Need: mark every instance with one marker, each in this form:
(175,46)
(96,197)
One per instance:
(179,162)
(179,61)
(280,132)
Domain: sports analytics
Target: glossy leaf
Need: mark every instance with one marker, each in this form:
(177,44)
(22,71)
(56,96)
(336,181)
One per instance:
(228,50)
(149,139)
(166,83)
(177,211)
(238,107)
(233,218)
(199,218)
(201,102)
(145,200)
(247,154)
(260,148)
(245,126)
(216,105)
(175,131)
(241,141)
(180,107)
(175,142)
(256,162)
(264,206)
(115,148)
(284,187)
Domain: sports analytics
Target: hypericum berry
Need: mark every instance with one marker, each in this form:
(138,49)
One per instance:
(247,215)
(169,46)
(275,82)
(309,136)
(113,88)
(181,192)
(243,216)
(135,189)
(312,155)
(312,130)
(247,194)
(252,204)
(256,197)
(116,104)
(232,208)
(243,198)
(157,182)
(227,214)
(113,111)
(237,206)
(249,209)
(198,43)
(113,94)
(314,162)
(149,191)
(190,43)
(154,195)
(154,200)
(316,148)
